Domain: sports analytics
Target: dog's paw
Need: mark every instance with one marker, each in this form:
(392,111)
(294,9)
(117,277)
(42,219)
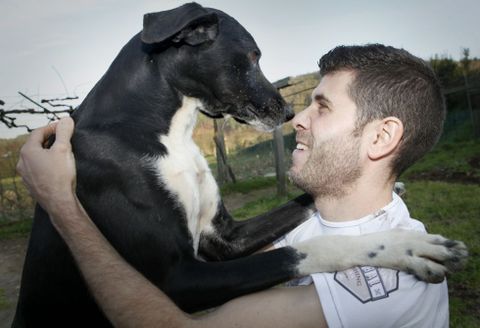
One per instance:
(428,257)
(452,254)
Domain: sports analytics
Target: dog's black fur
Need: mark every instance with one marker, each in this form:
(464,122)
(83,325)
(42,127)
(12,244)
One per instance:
(189,51)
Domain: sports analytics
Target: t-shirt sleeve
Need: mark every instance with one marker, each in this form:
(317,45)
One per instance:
(304,231)
(377,297)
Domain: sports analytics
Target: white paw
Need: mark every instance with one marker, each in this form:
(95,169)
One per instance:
(428,257)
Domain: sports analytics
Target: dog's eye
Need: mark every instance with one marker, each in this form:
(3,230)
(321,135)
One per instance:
(254,56)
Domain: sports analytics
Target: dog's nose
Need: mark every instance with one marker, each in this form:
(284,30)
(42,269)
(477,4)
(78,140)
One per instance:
(289,113)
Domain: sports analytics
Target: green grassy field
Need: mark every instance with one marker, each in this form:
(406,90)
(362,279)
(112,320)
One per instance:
(453,210)
(16,229)
(450,160)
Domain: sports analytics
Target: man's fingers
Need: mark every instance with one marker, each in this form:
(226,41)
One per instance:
(63,133)
(38,136)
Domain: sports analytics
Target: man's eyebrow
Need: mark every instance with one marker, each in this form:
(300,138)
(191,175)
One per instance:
(321,98)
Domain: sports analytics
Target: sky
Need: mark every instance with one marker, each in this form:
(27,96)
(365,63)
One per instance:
(58,48)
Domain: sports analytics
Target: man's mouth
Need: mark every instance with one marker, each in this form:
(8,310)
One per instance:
(301,146)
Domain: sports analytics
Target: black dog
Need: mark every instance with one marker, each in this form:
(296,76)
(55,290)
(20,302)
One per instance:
(147,187)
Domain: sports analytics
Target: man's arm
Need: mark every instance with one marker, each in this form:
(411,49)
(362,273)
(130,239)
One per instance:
(130,300)
(127,298)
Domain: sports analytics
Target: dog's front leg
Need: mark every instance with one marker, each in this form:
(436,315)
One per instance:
(429,257)
(228,238)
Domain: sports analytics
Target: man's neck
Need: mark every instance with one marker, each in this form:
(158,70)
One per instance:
(363,199)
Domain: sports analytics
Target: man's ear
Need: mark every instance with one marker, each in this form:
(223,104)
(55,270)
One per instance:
(189,23)
(386,136)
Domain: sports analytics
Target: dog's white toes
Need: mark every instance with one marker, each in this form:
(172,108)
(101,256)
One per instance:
(427,270)
(454,254)
(458,259)
(448,243)
(432,260)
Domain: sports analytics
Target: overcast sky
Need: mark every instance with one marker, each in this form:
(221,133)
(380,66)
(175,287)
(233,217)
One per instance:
(57,48)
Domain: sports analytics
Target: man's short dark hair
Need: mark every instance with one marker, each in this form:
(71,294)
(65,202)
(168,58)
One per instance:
(392,82)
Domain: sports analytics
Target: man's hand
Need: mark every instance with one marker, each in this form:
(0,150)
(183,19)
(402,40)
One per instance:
(49,174)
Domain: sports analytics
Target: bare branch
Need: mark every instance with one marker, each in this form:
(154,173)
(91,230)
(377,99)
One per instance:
(59,99)
(33,101)
(8,118)
(9,121)
(52,102)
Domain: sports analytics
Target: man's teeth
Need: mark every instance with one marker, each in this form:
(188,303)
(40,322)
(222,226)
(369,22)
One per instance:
(301,147)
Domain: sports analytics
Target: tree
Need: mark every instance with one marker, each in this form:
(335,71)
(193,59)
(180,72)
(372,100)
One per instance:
(446,70)
(465,61)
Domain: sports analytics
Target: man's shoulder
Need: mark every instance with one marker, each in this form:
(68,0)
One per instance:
(407,223)
(417,225)
(308,229)
(394,216)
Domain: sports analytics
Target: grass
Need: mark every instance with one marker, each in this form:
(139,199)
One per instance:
(246,186)
(11,180)
(453,210)
(249,166)
(450,157)
(457,154)
(15,229)
(259,206)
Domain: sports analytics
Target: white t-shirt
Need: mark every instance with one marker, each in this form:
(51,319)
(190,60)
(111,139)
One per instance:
(369,296)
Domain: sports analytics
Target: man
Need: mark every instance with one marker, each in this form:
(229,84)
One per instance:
(375,112)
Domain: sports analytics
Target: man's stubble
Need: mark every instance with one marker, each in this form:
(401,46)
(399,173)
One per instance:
(331,169)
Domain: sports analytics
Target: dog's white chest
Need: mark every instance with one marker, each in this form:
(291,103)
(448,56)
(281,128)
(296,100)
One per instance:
(185,172)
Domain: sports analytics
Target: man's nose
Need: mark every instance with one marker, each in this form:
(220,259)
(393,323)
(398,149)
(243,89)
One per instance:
(300,120)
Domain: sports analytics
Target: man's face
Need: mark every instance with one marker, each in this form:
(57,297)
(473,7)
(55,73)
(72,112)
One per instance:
(326,161)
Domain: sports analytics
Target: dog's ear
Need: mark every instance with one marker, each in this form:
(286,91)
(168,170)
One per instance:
(189,23)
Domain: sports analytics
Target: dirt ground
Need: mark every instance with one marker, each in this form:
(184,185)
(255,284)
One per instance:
(12,254)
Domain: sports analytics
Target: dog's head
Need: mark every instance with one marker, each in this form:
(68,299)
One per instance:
(213,58)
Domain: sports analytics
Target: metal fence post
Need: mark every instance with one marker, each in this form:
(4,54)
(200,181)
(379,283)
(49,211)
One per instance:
(279,150)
